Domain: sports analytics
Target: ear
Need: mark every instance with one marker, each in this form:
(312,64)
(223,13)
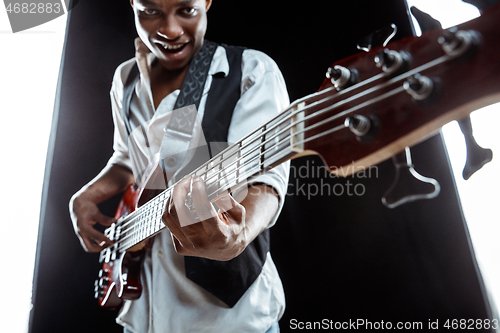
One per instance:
(207,5)
(132,3)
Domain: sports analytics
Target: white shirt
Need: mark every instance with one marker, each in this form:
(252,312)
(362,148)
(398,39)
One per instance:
(170,302)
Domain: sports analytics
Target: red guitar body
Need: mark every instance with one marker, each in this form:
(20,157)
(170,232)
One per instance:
(119,278)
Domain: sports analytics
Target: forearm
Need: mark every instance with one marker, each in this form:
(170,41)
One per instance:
(261,204)
(83,207)
(112,180)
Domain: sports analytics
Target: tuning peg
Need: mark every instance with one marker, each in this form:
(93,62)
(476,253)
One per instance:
(365,128)
(392,62)
(419,87)
(408,184)
(460,43)
(342,77)
(476,155)
(378,38)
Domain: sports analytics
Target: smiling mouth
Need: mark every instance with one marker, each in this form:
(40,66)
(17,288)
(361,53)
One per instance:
(172,48)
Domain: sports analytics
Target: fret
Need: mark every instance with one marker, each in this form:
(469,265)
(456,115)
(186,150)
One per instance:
(211,177)
(251,151)
(219,175)
(142,233)
(141,229)
(297,131)
(277,140)
(228,168)
(134,233)
(145,220)
(238,165)
(158,215)
(148,223)
(155,215)
(262,149)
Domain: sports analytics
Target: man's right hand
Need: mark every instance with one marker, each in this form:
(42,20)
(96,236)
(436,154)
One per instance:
(84,215)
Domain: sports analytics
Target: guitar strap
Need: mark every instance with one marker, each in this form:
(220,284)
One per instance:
(227,280)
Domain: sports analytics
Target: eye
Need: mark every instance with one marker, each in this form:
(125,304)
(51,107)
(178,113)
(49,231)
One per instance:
(149,11)
(191,11)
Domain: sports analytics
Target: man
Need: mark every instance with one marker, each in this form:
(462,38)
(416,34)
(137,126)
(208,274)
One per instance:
(171,34)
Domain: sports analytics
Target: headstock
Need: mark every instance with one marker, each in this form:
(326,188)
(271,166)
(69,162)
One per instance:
(400,94)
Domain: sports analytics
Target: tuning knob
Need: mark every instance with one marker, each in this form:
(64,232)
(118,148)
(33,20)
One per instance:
(365,128)
(419,87)
(458,43)
(341,77)
(98,291)
(359,125)
(104,281)
(392,62)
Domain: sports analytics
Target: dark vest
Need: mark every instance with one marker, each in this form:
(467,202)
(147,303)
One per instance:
(227,280)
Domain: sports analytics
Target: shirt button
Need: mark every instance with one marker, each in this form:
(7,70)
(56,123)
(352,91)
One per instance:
(160,254)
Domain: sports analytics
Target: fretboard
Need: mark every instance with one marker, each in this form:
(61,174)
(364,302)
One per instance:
(234,167)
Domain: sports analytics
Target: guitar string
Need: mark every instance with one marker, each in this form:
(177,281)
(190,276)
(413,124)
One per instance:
(287,118)
(327,120)
(352,98)
(251,172)
(144,210)
(127,220)
(312,138)
(334,106)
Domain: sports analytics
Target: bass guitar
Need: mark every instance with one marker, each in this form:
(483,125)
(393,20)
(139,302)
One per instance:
(370,107)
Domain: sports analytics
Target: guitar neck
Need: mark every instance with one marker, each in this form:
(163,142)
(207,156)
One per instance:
(234,167)
(255,154)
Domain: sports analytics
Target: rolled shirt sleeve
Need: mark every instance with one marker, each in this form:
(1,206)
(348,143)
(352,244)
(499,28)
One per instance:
(263,96)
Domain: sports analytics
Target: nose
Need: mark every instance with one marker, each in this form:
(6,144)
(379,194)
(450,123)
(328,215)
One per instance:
(170,28)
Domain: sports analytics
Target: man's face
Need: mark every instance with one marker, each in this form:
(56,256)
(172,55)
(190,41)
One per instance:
(172,29)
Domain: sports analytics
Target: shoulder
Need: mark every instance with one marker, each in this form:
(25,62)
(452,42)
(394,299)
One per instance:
(260,69)
(122,72)
(254,60)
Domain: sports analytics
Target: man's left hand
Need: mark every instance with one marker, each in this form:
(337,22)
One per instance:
(218,235)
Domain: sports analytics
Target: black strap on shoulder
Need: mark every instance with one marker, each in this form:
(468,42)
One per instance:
(128,92)
(224,93)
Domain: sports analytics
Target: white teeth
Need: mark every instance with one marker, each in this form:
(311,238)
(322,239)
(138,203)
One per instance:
(172,47)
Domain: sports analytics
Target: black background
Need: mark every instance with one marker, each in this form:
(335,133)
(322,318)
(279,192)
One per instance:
(340,257)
